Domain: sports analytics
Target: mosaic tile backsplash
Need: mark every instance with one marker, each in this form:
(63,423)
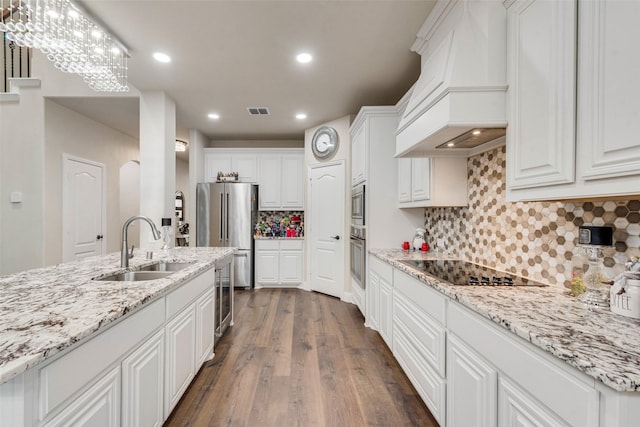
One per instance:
(531,239)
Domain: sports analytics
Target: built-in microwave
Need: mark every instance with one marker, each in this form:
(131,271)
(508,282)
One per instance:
(357,205)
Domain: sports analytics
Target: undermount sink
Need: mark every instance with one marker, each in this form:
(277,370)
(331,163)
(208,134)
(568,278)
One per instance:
(166,266)
(135,276)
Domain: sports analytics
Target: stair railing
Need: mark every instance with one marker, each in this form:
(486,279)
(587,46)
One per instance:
(16,61)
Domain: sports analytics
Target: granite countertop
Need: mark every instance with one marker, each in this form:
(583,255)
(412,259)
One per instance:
(46,310)
(603,345)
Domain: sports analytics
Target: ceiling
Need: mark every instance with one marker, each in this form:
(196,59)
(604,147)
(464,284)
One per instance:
(230,55)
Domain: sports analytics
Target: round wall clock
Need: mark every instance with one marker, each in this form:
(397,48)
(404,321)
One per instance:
(324,142)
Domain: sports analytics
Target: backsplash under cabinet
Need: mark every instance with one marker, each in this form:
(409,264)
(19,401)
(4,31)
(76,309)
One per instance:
(532,239)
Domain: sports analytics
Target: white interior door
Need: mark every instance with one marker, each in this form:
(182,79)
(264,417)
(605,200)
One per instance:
(327,240)
(83,209)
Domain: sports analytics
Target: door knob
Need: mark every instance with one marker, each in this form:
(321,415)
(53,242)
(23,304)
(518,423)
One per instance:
(99,237)
(336,237)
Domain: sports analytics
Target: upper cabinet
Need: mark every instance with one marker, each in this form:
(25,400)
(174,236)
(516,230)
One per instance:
(279,172)
(572,99)
(227,161)
(439,181)
(359,155)
(281,181)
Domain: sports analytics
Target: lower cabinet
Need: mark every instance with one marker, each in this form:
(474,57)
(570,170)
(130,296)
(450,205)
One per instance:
(181,356)
(142,384)
(470,372)
(131,374)
(471,391)
(278,263)
(98,406)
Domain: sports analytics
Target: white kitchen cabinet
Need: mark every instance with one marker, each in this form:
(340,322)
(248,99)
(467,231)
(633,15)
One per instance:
(359,154)
(99,406)
(542,93)
(424,181)
(204,320)
(217,160)
(142,384)
(572,122)
(180,356)
(471,387)
(278,262)
(385,319)
(281,181)
(517,408)
(419,339)
(373,300)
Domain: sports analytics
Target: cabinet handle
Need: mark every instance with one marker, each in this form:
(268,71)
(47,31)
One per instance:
(99,237)
(336,237)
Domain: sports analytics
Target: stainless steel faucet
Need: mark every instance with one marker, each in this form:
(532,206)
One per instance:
(124,256)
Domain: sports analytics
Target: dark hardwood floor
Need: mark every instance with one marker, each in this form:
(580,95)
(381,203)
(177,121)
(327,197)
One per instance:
(298,358)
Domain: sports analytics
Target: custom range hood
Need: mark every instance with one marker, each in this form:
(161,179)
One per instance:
(457,107)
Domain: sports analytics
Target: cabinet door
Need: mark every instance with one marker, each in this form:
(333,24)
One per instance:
(99,406)
(608,89)
(267,266)
(358,156)
(420,179)
(290,267)
(214,163)
(373,298)
(471,387)
(246,166)
(518,409)
(404,180)
(541,59)
(270,173)
(142,384)
(204,327)
(292,196)
(386,314)
(180,335)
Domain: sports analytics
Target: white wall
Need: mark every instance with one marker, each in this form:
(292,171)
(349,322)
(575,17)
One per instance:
(69,132)
(285,143)
(197,142)
(341,125)
(22,148)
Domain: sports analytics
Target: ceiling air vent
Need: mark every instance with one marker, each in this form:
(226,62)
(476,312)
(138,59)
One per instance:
(258,111)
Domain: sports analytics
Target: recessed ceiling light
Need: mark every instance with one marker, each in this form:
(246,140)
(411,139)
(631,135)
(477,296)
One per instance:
(304,58)
(451,144)
(301,116)
(213,116)
(477,132)
(161,57)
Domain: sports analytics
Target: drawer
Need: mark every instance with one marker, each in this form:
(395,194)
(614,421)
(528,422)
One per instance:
(186,294)
(272,245)
(382,269)
(426,381)
(291,245)
(428,300)
(426,335)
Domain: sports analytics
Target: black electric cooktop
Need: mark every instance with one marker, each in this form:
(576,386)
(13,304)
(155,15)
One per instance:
(468,274)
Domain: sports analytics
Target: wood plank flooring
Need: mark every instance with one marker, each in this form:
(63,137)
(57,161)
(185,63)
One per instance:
(298,358)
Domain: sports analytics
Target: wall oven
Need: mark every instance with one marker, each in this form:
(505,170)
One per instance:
(358,242)
(357,205)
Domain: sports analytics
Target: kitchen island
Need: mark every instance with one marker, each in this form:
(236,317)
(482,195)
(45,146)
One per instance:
(539,353)
(56,321)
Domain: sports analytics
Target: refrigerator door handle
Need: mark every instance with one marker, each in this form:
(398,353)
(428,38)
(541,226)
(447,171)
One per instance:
(227,221)
(221,217)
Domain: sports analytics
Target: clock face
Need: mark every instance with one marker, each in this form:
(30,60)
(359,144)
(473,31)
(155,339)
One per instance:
(325,142)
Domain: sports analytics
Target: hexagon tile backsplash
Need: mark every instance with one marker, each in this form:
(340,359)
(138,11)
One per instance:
(532,239)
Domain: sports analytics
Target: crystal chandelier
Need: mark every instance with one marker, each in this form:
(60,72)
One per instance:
(69,38)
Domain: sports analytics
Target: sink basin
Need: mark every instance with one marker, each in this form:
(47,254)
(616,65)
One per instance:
(166,266)
(135,276)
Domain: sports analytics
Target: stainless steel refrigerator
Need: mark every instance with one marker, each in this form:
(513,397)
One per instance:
(226,214)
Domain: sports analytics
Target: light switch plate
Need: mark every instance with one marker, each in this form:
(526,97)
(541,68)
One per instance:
(16,197)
